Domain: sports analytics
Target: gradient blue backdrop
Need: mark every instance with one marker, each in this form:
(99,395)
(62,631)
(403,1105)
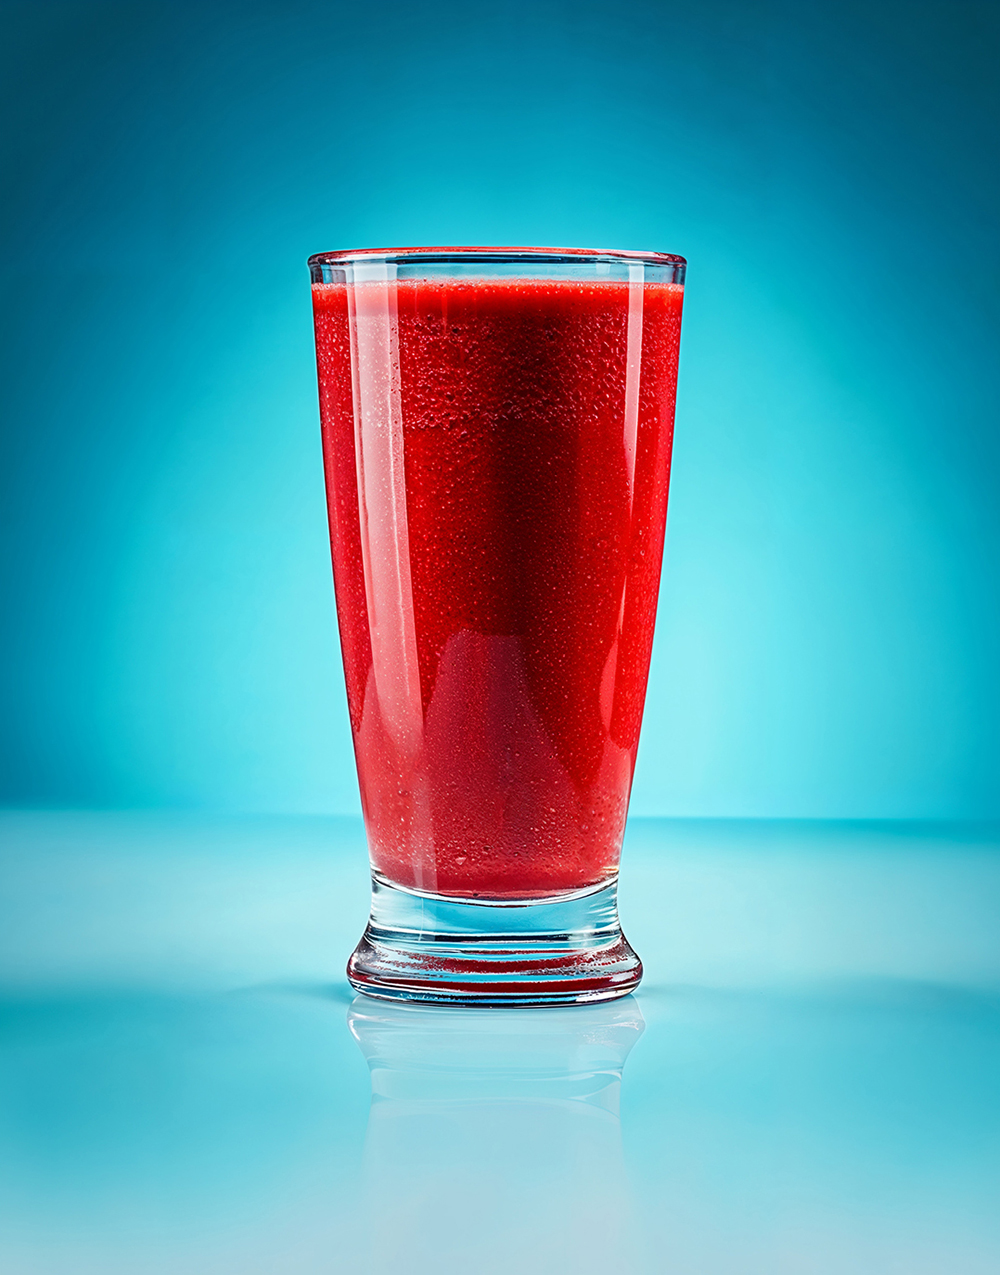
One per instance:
(829,623)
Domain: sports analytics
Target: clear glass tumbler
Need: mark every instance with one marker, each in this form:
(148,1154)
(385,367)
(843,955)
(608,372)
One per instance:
(497,427)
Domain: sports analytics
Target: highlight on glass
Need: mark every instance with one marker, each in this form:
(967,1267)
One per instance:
(497,428)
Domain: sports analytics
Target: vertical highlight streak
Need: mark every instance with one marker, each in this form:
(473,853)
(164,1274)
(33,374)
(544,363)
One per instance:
(633,366)
(385,541)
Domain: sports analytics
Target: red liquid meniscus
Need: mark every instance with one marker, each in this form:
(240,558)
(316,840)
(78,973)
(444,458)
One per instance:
(497,457)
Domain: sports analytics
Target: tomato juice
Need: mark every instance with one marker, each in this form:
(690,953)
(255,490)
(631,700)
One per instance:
(497,455)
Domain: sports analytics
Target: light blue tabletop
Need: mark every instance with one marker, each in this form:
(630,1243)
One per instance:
(807,1082)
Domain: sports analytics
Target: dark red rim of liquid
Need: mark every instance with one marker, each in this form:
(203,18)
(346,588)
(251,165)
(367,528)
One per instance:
(502,254)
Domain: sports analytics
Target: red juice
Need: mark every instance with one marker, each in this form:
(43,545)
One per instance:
(497,456)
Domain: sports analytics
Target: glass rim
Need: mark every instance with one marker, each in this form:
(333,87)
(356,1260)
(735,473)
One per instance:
(550,256)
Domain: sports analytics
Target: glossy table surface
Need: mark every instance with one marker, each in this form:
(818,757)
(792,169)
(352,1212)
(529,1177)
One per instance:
(807,1082)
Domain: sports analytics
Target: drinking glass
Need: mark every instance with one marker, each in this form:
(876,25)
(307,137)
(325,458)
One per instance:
(497,427)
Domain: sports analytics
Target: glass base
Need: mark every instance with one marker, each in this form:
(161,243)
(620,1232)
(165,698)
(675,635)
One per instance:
(559,950)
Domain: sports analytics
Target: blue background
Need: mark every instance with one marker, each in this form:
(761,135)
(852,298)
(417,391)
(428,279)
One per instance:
(829,618)
(816,1087)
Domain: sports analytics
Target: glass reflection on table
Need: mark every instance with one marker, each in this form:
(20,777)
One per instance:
(494,1136)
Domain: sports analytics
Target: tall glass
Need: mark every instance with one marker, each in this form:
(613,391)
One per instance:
(497,425)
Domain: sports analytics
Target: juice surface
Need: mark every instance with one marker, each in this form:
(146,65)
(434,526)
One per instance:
(497,457)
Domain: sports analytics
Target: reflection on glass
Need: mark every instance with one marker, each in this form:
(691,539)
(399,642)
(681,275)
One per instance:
(494,1138)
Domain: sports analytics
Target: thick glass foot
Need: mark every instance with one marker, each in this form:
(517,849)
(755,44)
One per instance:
(552,951)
